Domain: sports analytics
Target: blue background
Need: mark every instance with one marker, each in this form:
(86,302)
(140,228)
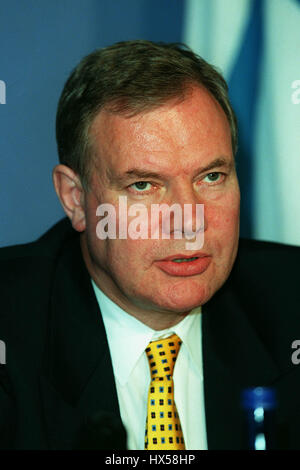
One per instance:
(41,41)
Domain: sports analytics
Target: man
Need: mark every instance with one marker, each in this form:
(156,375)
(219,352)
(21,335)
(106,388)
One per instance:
(139,125)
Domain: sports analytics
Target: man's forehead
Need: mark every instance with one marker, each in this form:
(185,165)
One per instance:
(145,125)
(195,131)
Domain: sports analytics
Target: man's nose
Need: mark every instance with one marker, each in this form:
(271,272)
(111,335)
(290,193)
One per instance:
(192,210)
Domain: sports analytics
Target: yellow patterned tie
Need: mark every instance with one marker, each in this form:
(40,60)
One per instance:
(163,429)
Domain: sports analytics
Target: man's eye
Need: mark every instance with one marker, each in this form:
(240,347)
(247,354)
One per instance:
(213,177)
(141,186)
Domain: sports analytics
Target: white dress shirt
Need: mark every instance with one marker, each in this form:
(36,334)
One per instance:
(128,339)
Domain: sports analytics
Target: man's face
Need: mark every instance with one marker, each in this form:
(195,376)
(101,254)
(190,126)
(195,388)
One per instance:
(178,153)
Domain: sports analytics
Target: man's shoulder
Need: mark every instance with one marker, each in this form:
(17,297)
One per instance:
(266,257)
(27,274)
(267,266)
(265,279)
(264,289)
(34,258)
(48,244)
(265,276)
(259,246)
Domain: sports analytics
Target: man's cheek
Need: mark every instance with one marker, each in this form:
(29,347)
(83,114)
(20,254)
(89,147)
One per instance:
(222,218)
(125,254)
(136,252)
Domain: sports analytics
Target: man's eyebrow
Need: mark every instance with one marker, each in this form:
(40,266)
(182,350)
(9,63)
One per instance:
(144,174)
(217,163)
(135,173)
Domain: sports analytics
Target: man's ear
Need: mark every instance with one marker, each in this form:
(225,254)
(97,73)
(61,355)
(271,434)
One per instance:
(69,190)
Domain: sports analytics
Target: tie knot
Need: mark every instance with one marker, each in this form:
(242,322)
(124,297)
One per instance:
(162,355)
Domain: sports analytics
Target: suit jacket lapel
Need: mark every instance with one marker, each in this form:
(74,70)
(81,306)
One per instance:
(234,358)
(77,379)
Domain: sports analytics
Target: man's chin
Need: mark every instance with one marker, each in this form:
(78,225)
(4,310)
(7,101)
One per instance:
(178,303)
(181,307)
(175,295)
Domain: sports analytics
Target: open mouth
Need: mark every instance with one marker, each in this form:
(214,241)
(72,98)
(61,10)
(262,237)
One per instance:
(184,260)
(182,265)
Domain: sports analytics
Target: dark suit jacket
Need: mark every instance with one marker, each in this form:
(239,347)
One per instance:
(58,368)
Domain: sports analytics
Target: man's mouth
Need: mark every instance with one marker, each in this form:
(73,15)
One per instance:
(183,265)
(184,260)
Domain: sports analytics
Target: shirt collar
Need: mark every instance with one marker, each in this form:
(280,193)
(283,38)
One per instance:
(128,337)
